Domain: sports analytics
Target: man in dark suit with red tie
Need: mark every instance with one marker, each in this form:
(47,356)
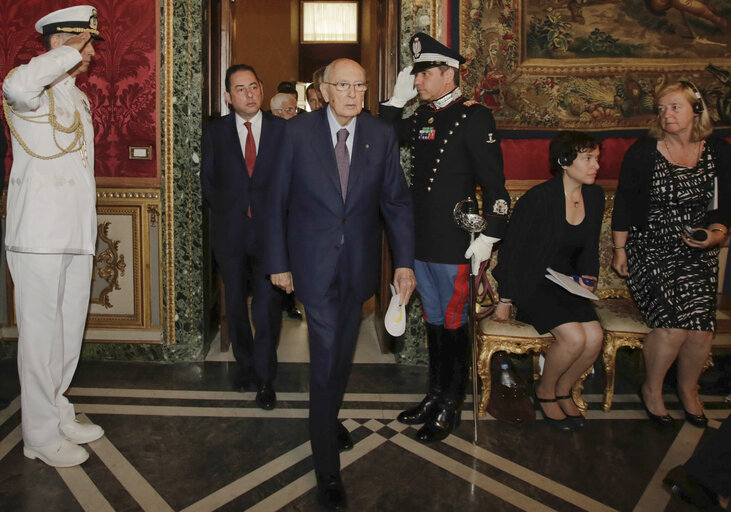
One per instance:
(338,177)
(238,154)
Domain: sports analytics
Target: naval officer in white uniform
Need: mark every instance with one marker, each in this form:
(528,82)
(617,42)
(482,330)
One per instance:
(51,230)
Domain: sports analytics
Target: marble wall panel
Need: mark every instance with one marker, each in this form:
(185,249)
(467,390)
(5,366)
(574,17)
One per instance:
(186,241)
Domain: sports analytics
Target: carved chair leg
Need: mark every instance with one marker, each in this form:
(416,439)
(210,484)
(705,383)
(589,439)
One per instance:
(609,354)
(577,390)
(709,362)
(536,366)
(486,377)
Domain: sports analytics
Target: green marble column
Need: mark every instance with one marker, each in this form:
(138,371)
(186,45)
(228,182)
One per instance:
(187,118)
(416,16)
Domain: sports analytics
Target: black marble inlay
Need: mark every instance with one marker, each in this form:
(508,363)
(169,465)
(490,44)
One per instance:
(31,486)
(187,457)
(387,480)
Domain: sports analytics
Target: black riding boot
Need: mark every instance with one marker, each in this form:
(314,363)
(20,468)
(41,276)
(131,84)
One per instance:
(421,412)
(454,373)
(461,362)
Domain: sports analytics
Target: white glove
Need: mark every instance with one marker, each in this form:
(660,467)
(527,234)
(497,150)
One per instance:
(479,251)
(404,89)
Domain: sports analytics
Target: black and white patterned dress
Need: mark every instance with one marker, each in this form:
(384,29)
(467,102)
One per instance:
(673,284)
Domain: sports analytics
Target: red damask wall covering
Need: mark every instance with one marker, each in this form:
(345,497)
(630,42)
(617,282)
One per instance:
(122,83)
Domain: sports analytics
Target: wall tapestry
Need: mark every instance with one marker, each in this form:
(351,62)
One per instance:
(592,64)
(122,84)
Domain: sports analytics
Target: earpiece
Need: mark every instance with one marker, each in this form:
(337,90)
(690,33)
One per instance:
(698,107)
(563,161)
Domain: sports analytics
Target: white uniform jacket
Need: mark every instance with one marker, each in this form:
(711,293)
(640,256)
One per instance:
(51,203)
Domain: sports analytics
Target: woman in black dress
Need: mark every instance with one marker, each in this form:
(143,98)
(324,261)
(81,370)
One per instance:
(671,211)
(556,224)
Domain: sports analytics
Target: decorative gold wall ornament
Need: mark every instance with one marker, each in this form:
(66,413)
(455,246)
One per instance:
(109,265)
(154,212)
(127,194)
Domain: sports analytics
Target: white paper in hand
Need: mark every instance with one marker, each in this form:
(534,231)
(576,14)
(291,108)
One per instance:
(395,319)
(568,283)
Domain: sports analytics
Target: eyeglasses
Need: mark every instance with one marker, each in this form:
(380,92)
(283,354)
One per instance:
(344,86)
(286,110)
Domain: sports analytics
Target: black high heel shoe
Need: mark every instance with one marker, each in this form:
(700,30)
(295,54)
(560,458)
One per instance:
(576,421)
(697,420)
(662,421)
(564,425)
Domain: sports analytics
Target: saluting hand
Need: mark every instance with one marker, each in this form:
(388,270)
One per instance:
(78,41)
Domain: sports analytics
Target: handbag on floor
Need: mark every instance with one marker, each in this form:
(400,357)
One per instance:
(509,397)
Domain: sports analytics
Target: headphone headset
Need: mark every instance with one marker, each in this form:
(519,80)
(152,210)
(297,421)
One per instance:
(698,106)
(563,161)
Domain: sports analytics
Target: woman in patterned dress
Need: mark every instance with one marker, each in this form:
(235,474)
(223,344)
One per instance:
(677,178)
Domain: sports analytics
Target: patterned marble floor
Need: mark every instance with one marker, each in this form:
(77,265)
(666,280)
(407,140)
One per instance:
(179,439)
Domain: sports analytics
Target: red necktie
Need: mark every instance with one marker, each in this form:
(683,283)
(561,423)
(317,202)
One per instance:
(249,149)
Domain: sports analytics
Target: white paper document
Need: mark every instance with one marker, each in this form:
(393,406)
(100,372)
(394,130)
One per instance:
(568,283)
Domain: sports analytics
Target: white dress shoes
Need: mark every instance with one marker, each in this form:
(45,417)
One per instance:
(62,454)
(81,433)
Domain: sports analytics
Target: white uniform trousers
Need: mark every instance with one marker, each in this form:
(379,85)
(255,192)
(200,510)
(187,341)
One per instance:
(51,302)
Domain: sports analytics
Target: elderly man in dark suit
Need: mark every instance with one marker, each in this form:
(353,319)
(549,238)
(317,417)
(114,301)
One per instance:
(339,170)
(238,155)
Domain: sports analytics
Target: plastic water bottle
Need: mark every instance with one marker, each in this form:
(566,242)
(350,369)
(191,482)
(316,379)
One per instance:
(506,376)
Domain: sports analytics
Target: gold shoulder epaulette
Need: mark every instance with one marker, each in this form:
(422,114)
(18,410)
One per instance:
(469,103)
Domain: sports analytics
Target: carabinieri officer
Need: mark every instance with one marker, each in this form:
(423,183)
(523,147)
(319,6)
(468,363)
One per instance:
(455,147)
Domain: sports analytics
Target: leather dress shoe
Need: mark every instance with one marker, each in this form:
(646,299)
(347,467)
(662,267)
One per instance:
(81,433)
(662,421)
(697,420)
(345,441)
(331,493)
(266,398)
(421,412)
(62,454)
(683,486)
(446,419)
